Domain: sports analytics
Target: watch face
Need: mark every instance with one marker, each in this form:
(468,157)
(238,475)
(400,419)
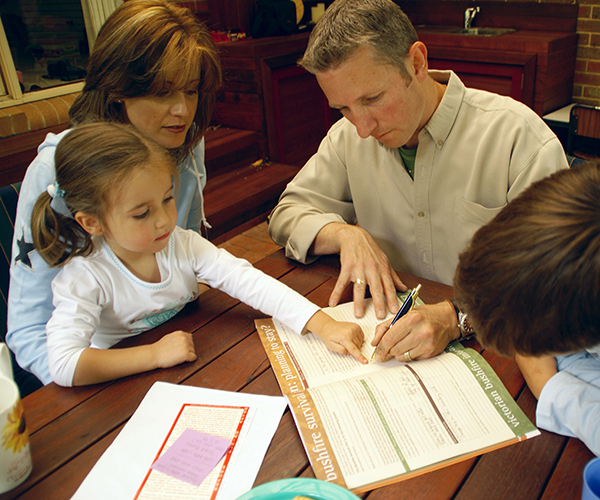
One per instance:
(463,324)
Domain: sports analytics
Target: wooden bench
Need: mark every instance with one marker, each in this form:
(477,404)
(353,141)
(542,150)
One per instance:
(242,187)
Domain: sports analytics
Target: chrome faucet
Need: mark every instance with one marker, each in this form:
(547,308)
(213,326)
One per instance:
(470,15)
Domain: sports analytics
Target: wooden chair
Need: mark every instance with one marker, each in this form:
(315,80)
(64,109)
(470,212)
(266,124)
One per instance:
(583,140)
(9,196)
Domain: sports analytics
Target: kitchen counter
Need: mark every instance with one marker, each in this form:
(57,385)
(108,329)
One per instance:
(535,67)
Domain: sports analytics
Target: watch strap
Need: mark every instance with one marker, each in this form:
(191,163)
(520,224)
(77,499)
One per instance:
(464,326)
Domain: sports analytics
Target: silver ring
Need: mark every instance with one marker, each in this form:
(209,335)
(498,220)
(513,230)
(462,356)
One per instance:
(360,281)
(407,357)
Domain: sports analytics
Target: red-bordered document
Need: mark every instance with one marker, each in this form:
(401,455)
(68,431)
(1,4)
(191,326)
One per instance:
(124,470)
(222,421)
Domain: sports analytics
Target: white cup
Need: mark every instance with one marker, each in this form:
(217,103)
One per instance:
(15,456)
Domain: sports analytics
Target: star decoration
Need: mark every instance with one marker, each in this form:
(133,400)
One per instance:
(24,250)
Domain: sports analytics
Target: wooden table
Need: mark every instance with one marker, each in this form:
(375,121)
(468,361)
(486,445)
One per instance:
(70,428)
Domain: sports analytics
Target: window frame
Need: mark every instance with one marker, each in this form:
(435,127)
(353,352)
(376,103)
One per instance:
(95,12)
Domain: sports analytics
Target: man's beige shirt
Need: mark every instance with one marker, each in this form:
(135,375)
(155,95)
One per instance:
(477,153)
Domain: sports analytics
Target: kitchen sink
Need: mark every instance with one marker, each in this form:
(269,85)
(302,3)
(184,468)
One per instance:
(484,31)
(464,31)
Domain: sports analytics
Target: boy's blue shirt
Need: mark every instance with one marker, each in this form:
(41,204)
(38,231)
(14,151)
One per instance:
(569,403)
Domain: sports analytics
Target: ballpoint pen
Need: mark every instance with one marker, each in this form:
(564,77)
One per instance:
(404,309)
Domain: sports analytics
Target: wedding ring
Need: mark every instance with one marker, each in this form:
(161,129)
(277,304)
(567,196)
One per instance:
(407,357)
(360,281)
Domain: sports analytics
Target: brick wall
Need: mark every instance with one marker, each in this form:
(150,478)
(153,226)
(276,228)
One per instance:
(587,72)
(36,115)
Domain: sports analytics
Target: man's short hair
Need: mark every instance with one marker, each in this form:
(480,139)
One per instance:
(348,25)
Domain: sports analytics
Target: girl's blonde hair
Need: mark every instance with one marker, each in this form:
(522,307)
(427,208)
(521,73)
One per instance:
(144,48)
(91,161)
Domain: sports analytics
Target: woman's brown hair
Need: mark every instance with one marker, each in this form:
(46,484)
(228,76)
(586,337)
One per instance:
(530,279)
(144,48)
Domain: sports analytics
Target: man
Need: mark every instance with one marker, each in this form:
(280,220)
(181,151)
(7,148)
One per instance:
(416,165)
(537,297)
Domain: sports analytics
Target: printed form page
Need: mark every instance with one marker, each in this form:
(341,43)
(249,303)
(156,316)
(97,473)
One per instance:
(395,421)
(318,365)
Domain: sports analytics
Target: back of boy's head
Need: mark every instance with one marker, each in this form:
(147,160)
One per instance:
(92,161)
(530,279)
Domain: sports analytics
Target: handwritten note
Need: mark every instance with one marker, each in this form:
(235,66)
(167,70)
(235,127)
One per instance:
(192,456)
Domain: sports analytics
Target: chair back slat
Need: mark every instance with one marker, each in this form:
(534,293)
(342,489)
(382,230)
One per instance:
(9,196)
(583,138)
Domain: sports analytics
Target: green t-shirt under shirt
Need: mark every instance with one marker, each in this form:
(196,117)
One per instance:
(408,156)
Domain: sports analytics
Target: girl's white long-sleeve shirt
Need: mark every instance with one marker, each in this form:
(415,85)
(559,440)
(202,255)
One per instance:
(98,301)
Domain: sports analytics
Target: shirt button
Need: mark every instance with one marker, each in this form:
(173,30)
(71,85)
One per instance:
(421,214)
(440,143)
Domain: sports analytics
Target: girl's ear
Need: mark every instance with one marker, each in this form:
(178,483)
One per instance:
(90,223)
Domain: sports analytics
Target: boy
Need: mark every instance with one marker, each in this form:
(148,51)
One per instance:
(530,284)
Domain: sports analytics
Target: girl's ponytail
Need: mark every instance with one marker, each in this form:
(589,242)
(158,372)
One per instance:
(57,237)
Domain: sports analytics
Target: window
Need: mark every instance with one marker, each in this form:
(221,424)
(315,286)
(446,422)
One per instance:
(45,44)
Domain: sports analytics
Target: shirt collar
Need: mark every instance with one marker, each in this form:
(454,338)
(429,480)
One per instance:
(594,351)
(441,122)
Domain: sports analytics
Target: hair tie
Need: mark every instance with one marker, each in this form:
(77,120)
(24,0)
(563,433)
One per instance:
(58,200)
(54,190)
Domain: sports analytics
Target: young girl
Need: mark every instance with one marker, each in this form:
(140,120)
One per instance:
(110,222)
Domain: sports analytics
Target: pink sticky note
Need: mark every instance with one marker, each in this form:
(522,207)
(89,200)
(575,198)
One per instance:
(192,456)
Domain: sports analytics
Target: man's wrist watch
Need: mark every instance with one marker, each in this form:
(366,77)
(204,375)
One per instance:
(464,326)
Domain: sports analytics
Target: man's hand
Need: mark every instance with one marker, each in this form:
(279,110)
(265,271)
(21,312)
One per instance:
(537,371)
(362,263)
(424,332)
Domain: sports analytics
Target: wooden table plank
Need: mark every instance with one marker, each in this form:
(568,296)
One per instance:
(63,483)
(567,479)
(512,466)
(428,486)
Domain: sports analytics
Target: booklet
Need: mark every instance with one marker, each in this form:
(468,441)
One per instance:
(365,426)
(187,421)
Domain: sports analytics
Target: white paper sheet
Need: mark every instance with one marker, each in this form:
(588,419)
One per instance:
(124,465)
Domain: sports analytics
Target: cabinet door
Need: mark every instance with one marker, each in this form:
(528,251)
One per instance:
(301,115)
(516,81)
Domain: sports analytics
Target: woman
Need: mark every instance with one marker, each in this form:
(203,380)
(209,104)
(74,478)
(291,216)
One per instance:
(155,66)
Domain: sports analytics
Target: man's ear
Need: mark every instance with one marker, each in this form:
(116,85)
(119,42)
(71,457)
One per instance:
(90,223)
(417,57)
